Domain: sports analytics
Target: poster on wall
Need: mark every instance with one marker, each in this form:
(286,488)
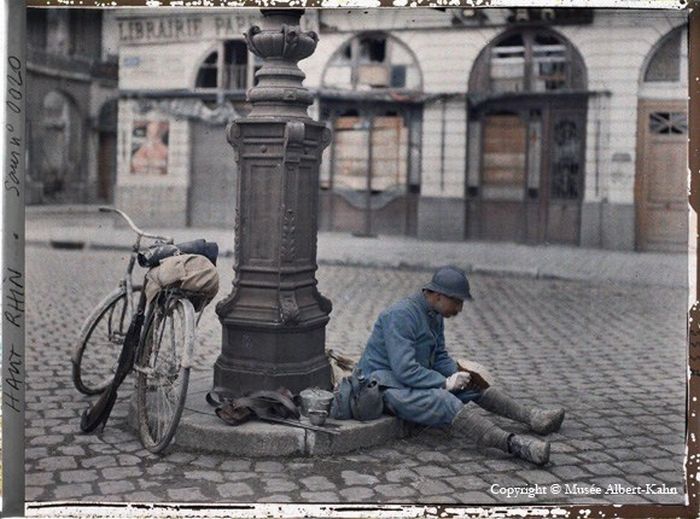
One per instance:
(149,148)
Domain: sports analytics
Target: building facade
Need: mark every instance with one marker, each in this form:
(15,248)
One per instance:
(71,109)
(529,125)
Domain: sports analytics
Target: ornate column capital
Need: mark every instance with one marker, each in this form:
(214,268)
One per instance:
(281,44)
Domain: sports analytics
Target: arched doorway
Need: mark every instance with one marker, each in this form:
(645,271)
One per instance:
(661,187)
(370,175)
(61,141)
(527,122)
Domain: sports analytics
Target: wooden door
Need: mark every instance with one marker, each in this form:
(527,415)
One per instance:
(661,188)
(106,166)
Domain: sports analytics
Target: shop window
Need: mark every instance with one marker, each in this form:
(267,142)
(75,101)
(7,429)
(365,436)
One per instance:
(549,64)
(665,64)
(225,68)
(372,50)
(372,62)
(36,28)
(85,29)
(531,60)
(208,72)
(398,76)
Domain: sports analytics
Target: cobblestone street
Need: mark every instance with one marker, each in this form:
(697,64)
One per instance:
(612,354)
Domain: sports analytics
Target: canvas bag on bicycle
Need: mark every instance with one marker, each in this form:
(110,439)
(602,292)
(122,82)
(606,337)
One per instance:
(192,273)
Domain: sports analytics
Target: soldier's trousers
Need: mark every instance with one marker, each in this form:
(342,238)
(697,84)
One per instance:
(433,407)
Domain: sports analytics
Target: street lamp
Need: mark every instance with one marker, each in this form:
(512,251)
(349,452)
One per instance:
(274,319)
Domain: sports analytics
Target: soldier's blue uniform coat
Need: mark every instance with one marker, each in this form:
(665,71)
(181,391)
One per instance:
(406,355)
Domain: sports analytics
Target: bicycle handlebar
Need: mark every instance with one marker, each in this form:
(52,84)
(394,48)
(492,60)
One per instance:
(133,226)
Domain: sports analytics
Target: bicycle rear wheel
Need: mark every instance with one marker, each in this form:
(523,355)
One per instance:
(163,370)
(101,339)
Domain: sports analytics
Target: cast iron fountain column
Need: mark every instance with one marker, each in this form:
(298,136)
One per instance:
(274,319)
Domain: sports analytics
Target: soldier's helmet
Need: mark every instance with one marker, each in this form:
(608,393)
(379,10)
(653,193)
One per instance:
(450,281)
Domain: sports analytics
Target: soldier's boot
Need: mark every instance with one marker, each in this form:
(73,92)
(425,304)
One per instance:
(541,421)
(470,424)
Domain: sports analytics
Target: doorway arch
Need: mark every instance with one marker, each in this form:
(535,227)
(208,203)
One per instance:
(661,181)
(527,125)
(370,176)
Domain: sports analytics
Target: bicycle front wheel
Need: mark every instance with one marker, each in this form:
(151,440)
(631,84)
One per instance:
(163,370)
(101,339)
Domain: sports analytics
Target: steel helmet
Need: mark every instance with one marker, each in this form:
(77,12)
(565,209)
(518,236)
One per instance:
(450,281)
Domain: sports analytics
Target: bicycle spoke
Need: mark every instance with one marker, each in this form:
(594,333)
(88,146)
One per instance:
(162,386)
(99,349)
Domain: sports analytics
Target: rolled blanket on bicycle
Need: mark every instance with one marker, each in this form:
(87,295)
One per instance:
(192,273)
(152,256)
(262,404)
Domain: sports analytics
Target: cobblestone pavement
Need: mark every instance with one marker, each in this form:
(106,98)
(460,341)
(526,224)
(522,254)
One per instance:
(612,354)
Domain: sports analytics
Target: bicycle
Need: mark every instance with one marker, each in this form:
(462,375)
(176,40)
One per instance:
(155,340)
(102,333)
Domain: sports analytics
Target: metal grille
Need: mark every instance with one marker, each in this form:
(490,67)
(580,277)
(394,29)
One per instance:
(668,123)
(566,160)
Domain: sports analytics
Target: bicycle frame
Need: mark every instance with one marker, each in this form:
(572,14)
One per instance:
(163,301)
(127,280)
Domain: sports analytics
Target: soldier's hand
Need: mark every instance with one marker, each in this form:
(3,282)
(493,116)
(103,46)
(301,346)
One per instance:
(458,381)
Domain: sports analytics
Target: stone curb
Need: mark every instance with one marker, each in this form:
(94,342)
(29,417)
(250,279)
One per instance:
(549,272)
(200,430)
(69,244)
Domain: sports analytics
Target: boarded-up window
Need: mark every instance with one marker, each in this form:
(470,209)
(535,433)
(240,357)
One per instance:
(504,151)
(372,61)
(530,60)
(508,65)
(389,152)
(351,141)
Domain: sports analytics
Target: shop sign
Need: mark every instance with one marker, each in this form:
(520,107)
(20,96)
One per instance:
(169,28)
(558,16)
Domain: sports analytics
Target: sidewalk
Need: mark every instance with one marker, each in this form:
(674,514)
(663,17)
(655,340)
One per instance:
(71,230)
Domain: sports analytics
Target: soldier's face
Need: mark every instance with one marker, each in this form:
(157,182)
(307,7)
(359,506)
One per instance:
(448,306)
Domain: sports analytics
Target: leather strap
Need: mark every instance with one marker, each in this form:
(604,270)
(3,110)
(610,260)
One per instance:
(263,404)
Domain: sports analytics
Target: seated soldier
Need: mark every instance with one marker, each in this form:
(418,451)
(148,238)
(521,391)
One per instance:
(421,382)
